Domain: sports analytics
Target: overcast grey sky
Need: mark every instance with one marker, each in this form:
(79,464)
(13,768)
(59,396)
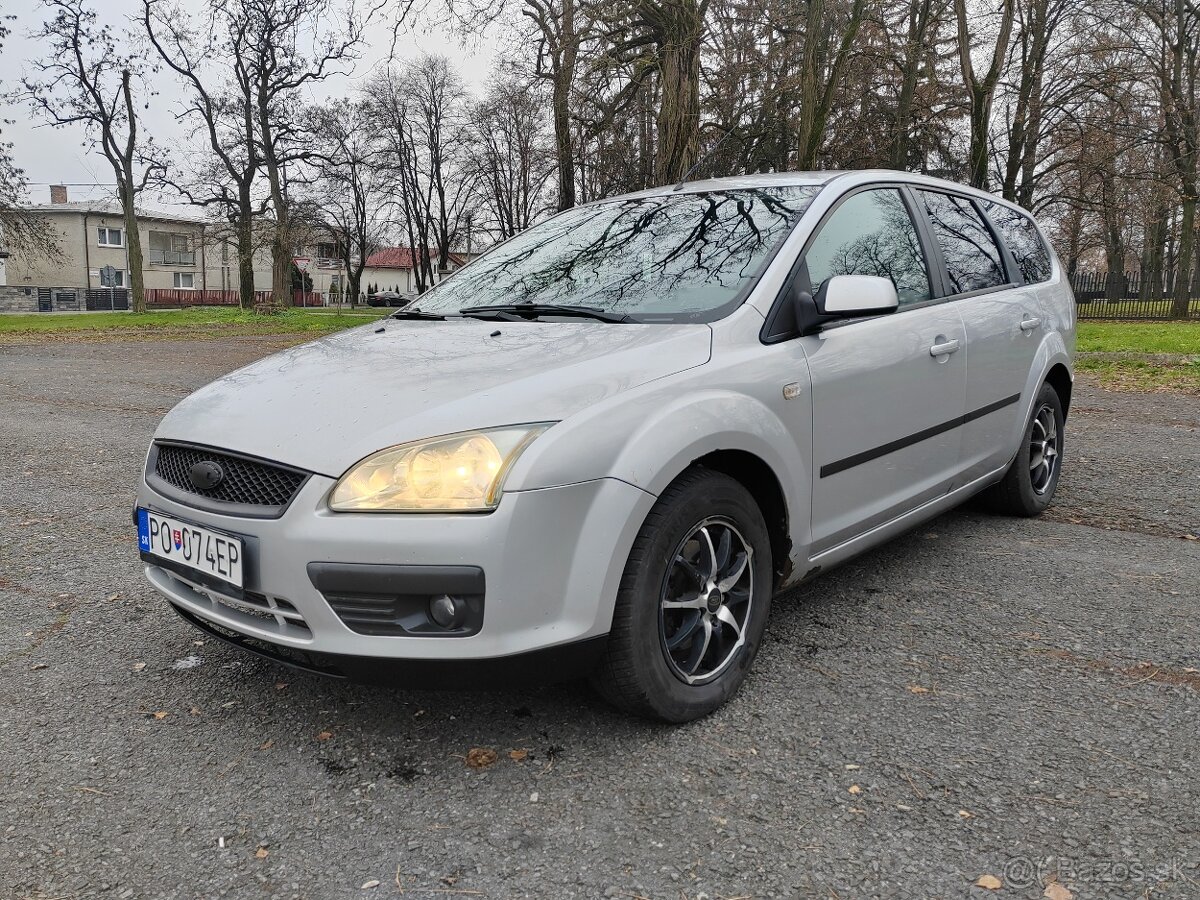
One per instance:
(56,156)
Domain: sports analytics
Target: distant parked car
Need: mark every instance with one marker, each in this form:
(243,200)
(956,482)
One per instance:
(606,444)
(388,298)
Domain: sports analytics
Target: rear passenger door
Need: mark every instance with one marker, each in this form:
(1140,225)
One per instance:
(1003,325)
(887,390)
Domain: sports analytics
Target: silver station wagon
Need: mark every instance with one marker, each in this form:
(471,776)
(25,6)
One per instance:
(602,447)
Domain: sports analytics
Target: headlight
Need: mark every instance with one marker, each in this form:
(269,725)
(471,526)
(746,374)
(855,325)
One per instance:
(457,472)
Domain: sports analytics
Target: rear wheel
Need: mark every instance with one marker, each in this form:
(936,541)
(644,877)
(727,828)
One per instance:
(693,602)
(1028,487)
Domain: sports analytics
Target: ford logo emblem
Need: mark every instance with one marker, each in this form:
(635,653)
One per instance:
(206,475)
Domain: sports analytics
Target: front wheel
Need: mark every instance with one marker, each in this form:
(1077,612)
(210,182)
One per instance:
(693,602)
(1028,486)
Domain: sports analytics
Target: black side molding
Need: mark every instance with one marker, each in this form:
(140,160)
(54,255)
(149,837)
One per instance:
(867,456)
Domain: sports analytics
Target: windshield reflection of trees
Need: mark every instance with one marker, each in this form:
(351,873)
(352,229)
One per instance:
(675,253)
(890,250)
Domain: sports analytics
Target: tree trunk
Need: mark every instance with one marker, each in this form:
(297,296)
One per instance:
(981,90)
(679,27)
(818,86)
(133,248)
(977,162)
(1187,246)
(281,269)
(245,259)
(918,22)
(125,177)
(563,79)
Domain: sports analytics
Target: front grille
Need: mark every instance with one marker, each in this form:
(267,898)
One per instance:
(250,486)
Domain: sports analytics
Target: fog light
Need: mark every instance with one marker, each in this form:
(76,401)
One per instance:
(447,611)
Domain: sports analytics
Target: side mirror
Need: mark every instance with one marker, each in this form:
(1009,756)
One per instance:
(856,295)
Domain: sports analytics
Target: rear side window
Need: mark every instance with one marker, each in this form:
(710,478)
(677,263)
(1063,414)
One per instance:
(871,233)
(1024,243)
(971,255)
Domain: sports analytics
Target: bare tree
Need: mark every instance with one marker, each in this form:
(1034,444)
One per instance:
(422,108)
(921,19)
(347,193)
(86,78)
(981,91)
(218,99)
(822,58)
(246,64)
(22,233)
(676,28)
(559,38)
(511,156)
(1169,42)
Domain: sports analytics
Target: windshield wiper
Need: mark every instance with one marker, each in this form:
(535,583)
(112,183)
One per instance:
(415,314)
(515,311)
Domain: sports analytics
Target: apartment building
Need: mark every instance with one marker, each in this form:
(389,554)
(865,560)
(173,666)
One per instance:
(179,253)
(95,249)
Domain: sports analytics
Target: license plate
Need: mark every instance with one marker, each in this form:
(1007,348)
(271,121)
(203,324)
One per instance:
(192,546)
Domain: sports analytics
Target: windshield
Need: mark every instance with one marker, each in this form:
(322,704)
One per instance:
(676,257)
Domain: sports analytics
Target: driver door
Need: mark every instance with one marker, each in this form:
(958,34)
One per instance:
(888,391)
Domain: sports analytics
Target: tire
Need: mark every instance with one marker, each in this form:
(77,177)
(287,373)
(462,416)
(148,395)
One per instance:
(1027,488)
(645,668)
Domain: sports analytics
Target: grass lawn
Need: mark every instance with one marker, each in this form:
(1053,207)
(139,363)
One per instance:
(193,322)
(1139,337)
(1141,356)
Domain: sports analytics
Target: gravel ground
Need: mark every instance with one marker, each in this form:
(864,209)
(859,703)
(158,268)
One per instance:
(986,696)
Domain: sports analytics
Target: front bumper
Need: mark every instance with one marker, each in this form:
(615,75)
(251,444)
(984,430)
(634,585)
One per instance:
(551,562)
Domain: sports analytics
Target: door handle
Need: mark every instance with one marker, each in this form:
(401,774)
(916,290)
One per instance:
(1030,322)
(943,349)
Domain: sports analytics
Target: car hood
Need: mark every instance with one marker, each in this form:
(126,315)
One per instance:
(325,405)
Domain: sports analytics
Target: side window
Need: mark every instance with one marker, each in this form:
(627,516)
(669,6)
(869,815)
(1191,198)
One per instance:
(971,255)
(871,233)
(1024,243)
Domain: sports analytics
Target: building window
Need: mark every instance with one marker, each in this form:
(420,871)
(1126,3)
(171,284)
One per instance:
(110,237)
(118,279)
(185,280)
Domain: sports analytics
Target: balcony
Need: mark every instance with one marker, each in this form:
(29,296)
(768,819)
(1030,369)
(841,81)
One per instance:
(172,257)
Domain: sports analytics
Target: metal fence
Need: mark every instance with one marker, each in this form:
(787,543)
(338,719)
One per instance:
(181,298)
(62,299)
(1126,295)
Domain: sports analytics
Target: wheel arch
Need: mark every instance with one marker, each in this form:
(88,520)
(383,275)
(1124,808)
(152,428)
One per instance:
(1060,379)
(759,479)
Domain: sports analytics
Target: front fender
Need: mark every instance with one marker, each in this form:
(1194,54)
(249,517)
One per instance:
(653,434)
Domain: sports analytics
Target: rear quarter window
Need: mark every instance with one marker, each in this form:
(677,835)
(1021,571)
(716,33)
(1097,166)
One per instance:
(971,256)
(1024,243)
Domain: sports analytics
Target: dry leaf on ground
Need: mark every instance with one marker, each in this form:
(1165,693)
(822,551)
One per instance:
(991,882)
(480,757)
(1056,891)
